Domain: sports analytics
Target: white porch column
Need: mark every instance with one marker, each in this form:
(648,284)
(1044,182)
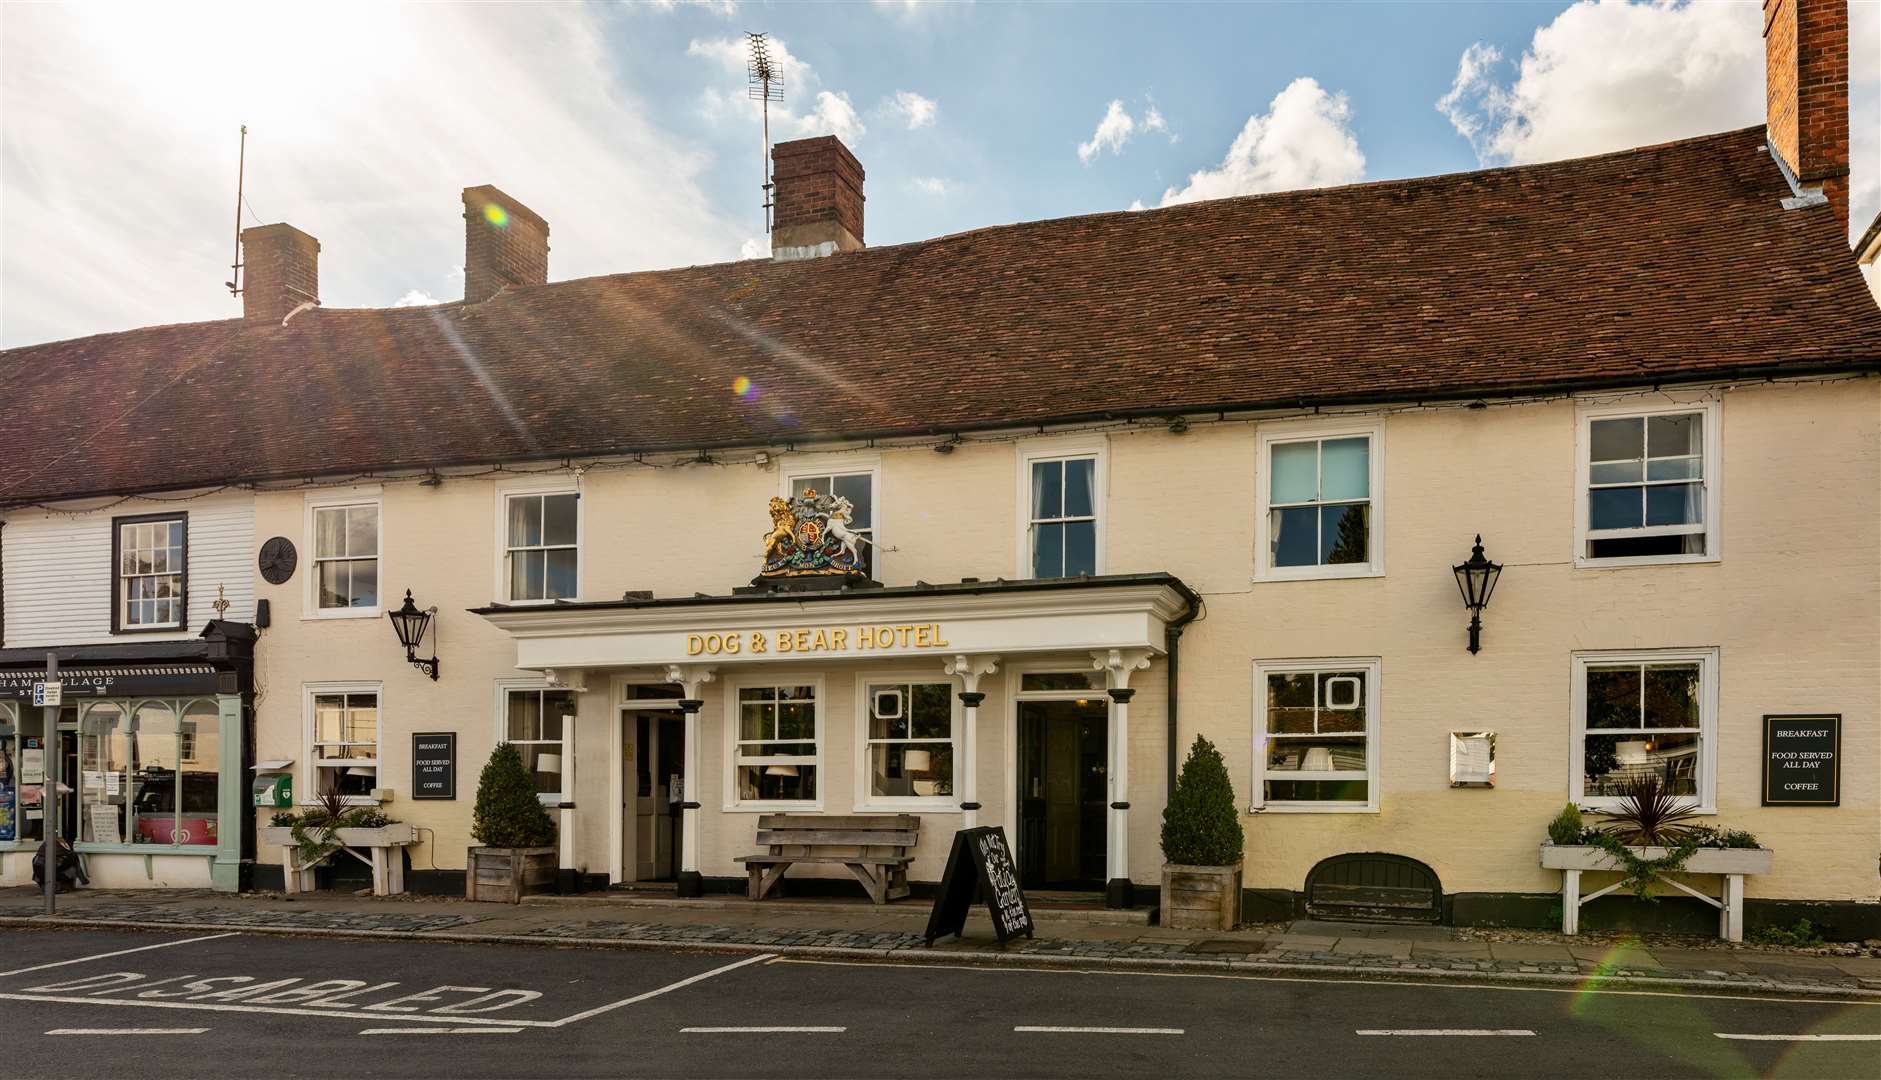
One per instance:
(691,679)
(1119,665)
(969,669)
(576,682)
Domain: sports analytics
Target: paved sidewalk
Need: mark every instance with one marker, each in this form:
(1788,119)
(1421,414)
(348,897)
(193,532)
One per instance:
(1066,935)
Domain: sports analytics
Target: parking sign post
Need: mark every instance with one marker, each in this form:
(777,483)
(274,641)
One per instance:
(49,798)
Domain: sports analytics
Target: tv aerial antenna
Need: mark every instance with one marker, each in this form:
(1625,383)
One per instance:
(764,85)
(241,164)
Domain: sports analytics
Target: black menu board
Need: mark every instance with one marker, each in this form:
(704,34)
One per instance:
(1802,760)
(434,765)
(980,862)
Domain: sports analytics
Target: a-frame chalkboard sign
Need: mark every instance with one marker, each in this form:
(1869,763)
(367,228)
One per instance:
(980,862)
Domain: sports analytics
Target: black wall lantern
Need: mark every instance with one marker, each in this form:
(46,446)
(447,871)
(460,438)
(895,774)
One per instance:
(409,623)
(1477,579)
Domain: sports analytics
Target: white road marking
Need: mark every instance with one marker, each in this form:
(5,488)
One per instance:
(444,1031)
(762,1030)
(1799,1038)
(1101,1030)
(1445,1031)
(120,952)
(985,969)
(127,1031)
(668,988)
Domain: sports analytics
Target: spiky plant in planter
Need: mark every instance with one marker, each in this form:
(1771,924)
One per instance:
(1202,845)
(517,833)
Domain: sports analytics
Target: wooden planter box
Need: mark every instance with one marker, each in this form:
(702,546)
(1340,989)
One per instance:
(1201,897)
(1729,863)
(381,844)
(506,875)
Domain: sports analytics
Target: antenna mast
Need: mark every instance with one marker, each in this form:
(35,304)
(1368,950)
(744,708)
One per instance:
(765,85)
(241,165)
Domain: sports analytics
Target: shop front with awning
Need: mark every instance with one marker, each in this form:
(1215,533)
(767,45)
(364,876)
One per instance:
(1039,706)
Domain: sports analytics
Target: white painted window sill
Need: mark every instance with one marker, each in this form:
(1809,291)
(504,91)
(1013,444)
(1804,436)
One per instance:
(912,806)
(1311,808)
(1316,574)
(340,613)
(773,808)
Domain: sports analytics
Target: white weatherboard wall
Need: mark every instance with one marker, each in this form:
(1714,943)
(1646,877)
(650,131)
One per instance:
(59,579)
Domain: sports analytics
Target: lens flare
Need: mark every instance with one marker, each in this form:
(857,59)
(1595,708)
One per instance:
(745,388)
(496,215)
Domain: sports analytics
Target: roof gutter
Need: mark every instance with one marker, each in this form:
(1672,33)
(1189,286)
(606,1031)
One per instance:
(1485,392)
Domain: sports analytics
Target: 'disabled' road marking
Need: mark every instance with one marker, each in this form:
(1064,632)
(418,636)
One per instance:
(1098,1030)
(1445,1031)
(444,1031)
(667,989)
(1799,1038)
(120,952)
(127,1031)
(762,1030)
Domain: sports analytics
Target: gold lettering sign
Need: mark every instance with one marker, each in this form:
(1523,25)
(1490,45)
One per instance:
(814,640)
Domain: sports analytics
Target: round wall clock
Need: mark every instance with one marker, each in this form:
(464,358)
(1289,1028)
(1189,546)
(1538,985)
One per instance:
(278,560)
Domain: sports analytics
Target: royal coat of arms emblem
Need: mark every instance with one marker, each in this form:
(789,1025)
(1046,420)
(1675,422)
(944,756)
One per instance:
(810,536)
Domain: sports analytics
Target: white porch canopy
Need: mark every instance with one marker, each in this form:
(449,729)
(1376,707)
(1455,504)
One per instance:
(967,628)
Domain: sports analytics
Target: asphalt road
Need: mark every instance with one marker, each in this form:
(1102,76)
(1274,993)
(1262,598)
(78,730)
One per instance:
(189,1005)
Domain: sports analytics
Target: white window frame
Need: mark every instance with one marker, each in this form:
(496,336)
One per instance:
(120,580)
(505,687)
(1271,433)
(798,466)
(310,590)
(564,485)
(308,780)
(1713,441)
(1062,450)
(1374,750)
(731,803)
(1708,678)
(866,799)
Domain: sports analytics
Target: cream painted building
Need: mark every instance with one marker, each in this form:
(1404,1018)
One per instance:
(1116,482)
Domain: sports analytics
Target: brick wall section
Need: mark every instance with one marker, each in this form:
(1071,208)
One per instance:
(280,271)
(510,247)
(818,194)
(1806,92)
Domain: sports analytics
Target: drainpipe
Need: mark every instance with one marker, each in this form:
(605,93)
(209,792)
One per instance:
(1172,642)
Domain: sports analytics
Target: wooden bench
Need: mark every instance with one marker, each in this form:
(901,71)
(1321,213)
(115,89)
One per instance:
(875,848)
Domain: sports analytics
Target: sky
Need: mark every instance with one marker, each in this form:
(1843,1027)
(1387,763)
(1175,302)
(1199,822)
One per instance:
(627,125)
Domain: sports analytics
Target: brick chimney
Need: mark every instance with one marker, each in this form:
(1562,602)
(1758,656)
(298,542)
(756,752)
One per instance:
(1805,48)
(505,243)
(281,271)
(817,198)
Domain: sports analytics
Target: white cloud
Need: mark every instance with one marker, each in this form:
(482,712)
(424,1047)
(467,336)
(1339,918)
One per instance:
(724,9)
(915,110)
(1153,120)
(1112,132)
(1303,140)
(754,247)
(933,185)
(416,298)
(420,101)
(909,11)
(1608,76)
(831,112)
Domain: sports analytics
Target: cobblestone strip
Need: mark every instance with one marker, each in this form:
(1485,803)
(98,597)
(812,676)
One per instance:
(170,915)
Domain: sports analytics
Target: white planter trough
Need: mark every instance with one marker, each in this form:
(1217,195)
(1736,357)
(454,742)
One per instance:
(382,855)
(1731,864)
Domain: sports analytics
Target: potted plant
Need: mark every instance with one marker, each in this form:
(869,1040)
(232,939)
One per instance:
(323,829)
(1647,837)
(518,855)
(1202,846)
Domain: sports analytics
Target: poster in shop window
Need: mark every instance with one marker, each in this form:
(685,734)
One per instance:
(981,862)
(9,828)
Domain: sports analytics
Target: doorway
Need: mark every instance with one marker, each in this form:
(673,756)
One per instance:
(1064,764)
(658,742)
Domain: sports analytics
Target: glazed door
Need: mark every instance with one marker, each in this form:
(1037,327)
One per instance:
(659,749)
(1062,783)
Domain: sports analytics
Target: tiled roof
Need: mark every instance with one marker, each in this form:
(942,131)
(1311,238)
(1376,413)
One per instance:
(1667,263)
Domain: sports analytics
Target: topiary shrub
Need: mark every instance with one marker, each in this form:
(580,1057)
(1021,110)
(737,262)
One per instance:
(1566,829)
(508,814)
(1201,826)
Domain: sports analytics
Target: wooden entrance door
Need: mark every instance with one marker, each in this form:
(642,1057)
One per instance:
(1063,763)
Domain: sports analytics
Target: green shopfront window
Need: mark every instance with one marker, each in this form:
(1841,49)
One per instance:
(149,772)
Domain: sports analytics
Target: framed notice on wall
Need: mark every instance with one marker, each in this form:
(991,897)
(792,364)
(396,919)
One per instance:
(1802,760)
(434,765)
